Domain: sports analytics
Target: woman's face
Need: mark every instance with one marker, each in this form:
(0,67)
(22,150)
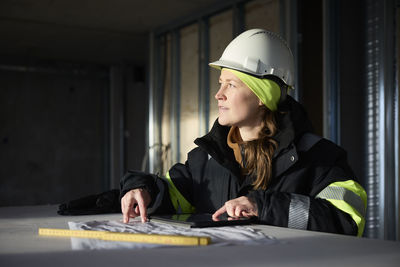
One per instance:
(237,104)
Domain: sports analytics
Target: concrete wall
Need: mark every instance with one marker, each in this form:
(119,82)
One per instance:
(262,14)
(136,98)
(55,131)
(52,135)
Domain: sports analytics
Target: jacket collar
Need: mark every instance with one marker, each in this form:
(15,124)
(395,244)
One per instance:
(292,124)
(215,144)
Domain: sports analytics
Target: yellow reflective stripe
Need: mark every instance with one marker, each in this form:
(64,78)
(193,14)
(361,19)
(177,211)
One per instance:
(357,217)
(340,193)
(350,197)
(355,188)
(179,202)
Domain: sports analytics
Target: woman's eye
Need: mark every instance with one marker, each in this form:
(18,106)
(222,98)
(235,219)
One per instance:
(229,85)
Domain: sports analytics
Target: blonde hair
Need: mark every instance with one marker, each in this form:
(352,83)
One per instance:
(258,153)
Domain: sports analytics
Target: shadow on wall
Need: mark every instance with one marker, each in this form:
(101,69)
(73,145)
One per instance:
(53,135)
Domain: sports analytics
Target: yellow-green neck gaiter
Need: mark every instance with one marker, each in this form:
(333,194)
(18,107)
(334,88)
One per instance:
(266,90)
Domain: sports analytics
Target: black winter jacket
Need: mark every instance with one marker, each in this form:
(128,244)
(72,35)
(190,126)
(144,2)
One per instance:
(303,166)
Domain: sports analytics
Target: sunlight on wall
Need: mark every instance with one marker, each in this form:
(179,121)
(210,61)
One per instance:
(220,36)
(189,98)
(166,113)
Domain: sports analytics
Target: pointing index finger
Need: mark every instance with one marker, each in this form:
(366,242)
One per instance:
(218,213)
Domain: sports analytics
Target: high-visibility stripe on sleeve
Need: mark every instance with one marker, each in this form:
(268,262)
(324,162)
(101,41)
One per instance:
(298,211)
(349,197)
(179,202)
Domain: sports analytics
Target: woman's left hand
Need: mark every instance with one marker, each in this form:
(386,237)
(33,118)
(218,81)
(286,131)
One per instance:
(238,207)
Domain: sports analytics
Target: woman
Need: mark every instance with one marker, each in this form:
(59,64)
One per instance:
(260,158)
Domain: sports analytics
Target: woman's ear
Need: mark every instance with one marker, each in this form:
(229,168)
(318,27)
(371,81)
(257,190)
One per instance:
(260,103)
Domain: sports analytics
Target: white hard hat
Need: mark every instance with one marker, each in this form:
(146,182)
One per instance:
(259,52)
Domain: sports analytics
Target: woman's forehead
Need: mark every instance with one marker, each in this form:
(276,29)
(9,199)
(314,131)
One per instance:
(227,75)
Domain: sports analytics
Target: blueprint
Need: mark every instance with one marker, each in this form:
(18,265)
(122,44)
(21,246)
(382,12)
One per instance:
(220,236)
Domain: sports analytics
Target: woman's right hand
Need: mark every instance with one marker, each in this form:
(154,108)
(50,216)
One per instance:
(134,203)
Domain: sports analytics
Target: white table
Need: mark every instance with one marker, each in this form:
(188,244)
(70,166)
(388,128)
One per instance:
(20,245)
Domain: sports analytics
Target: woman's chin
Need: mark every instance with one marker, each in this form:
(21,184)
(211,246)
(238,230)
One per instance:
(223,122)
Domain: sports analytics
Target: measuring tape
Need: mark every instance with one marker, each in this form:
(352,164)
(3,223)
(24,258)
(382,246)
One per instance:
(178,240)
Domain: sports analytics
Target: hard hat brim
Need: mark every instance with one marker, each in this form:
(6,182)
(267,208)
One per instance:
(219,64)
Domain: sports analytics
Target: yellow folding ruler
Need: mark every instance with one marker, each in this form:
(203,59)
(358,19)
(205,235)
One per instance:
(178,240)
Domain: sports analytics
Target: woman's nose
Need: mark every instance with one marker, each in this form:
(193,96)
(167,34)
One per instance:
(220,95)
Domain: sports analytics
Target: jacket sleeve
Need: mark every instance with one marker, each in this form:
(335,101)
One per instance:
(169,194)
(156,186)
(302,212)
(180,188)
(334,205)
